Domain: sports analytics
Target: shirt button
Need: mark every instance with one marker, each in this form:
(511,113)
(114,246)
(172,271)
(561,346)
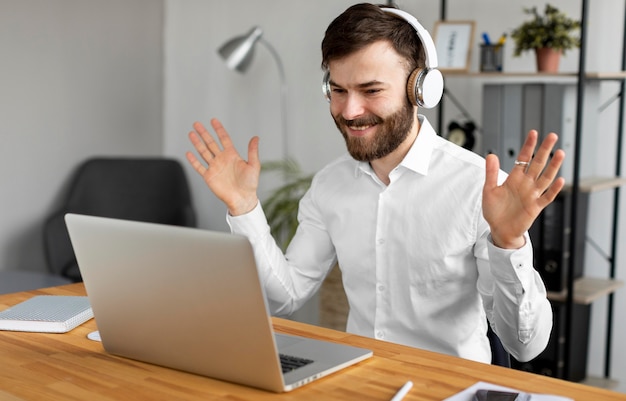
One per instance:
(380,334)
(381,241)
(381,288)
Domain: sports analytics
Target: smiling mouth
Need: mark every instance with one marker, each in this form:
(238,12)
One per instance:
(357,127)
(360,127)
(359,131)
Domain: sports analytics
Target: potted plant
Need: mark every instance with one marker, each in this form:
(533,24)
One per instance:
(281,207)
(550,35)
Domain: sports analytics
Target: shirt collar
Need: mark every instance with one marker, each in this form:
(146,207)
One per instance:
(418,157)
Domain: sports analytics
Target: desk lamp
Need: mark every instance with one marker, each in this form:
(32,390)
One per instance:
(238,53)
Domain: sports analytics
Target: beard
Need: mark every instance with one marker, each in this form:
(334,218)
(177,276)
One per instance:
(391,132)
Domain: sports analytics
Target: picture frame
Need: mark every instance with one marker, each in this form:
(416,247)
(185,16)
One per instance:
(454,41)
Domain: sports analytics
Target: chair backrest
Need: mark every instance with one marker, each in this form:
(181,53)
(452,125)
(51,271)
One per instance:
(142,189)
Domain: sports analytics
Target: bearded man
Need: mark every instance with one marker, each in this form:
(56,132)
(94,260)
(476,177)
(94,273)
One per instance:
(431,239)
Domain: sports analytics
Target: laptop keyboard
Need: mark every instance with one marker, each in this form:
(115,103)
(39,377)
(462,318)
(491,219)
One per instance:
(290,363)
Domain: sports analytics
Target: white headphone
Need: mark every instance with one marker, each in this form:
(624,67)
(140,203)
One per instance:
(424,86)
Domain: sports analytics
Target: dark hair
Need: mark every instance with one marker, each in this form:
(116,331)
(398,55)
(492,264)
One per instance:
(363,24)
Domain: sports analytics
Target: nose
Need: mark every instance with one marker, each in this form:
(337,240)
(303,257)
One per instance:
(351,106)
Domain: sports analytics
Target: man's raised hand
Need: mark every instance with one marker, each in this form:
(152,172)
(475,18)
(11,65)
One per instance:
(231,178)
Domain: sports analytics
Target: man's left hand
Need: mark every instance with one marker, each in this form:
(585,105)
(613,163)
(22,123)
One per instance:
(511,208)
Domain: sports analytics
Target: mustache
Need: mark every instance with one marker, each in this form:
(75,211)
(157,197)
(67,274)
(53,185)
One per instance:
(359,122)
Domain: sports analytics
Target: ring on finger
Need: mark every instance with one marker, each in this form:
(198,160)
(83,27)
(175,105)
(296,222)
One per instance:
(521,163)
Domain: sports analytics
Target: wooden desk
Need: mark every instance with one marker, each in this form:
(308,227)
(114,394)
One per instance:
(69,366)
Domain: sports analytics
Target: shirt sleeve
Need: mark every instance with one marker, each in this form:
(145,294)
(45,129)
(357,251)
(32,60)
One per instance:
(289,279)
(515,299)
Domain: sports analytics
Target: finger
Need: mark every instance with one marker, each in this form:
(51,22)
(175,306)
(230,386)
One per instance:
(200,146)
(552,170)
(195,140)
(528,149)
(542,155)
(222,134)
(551,193)
(209,142)
(253,152)
(195,163)
(200,129)
(492,167)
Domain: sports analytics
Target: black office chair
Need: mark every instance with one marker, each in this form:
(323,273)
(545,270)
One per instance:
(141,189)
(499,356)
(23,280)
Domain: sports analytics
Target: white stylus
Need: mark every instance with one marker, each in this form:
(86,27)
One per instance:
(403,391)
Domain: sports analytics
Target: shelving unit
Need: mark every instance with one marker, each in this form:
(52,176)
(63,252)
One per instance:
(576,188)
(579,292)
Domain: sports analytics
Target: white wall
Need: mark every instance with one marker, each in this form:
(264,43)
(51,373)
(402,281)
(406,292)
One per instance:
(77,78)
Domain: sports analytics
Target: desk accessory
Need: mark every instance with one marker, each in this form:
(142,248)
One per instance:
(404,390)
(469,394)
(47,314)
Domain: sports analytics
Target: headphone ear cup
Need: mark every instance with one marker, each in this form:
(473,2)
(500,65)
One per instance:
(326,85)
(425,87)
(431,88)
(411,86)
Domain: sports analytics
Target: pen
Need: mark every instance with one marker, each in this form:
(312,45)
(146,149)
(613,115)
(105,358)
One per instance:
(486,38)
(403,391)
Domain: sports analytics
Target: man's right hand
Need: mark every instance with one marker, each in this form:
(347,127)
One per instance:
(233,180)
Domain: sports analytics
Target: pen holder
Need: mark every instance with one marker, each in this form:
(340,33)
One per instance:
(491,57)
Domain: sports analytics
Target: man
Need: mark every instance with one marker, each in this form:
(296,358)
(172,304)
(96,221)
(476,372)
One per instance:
(431,239)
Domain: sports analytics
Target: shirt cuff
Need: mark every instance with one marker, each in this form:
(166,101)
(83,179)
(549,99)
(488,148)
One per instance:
(511,265)
(251,224)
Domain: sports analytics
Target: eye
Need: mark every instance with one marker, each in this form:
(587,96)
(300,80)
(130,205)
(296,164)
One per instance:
(338,90)
(373,91)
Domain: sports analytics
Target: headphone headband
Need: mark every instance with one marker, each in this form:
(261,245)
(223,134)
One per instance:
(430,52)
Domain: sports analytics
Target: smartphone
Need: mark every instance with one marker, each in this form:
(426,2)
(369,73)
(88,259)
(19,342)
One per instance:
(495,395)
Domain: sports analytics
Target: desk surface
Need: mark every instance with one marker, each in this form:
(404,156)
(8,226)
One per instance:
(69,366)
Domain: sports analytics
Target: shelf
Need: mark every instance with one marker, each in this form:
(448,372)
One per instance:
(548,76)
(594,184)
(587,290)
(606,75)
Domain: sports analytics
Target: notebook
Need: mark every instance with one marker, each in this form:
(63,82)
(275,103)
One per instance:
(191,300)
(47,314)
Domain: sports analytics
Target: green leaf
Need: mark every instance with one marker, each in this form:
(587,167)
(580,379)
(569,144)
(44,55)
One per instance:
(281,206)
(553,29)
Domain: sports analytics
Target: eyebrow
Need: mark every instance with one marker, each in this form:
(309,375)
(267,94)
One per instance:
(364,85)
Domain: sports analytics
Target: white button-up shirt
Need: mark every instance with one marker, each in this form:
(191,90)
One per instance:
(416,258)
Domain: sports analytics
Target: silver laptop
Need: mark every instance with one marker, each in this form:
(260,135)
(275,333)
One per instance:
(191,299)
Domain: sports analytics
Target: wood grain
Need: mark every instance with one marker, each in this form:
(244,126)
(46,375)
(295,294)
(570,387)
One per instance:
(39,366)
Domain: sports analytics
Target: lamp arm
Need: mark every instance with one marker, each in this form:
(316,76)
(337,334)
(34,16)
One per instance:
(283,95)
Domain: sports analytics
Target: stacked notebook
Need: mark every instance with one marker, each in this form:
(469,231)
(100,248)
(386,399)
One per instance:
(47,314)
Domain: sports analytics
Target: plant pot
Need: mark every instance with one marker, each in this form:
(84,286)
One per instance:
(548,59)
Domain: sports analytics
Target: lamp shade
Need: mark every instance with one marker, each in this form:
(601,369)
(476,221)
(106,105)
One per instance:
(238,52)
